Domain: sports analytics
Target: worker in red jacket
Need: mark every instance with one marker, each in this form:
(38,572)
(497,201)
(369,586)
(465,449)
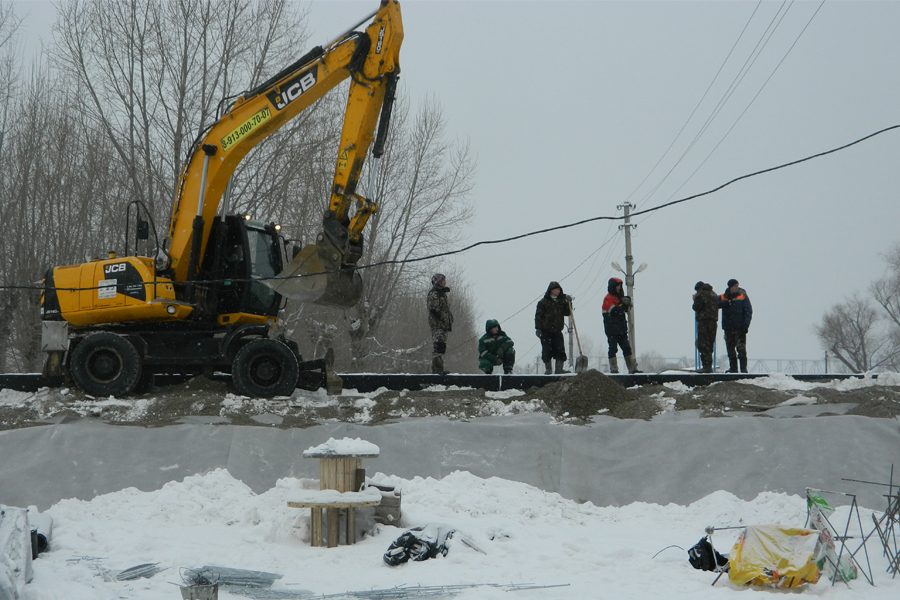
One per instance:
(615,325)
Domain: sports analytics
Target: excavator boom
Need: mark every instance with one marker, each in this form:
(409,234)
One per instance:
(323,272)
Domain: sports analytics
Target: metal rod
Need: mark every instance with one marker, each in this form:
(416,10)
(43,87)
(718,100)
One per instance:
(352,28)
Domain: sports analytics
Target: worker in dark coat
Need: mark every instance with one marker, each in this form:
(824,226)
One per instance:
(615,325)
(736,315)
(440,320)
(549,318)
(495,348)
(706,312)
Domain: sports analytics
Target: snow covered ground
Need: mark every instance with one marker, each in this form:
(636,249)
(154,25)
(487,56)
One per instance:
(529,536)
(206,491)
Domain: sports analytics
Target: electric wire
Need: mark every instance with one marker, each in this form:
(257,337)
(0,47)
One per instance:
(538,297)
(697,105)
(527,234)
(752,100)
(761,44)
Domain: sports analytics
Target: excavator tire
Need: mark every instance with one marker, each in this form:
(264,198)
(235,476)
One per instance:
(264,368)
(105,364)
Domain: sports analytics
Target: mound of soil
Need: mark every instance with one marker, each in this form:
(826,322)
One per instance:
(590,393)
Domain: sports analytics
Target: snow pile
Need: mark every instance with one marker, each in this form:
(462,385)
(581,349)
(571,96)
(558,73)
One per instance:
(343,447)
(528,536)
(498,408)
(787,383)
(504,394)
(15,399)
(799,400)
(677,387)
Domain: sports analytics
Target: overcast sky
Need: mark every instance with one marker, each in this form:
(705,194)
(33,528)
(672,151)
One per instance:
(568,106)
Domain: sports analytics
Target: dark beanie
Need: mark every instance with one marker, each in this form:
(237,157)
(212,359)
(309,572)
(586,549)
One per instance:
(697,286)
(732,282)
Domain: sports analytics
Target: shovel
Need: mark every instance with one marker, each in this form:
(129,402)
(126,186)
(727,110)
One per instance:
(581,363)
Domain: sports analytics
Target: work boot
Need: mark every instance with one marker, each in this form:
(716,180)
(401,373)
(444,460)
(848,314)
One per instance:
(559,367)
(613,365)
(631,361)
(548,368)
(743,365)
(507,370)
(437,365)
(732,365)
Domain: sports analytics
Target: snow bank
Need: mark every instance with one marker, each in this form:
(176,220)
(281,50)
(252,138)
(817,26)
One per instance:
(527,535)
(788,383)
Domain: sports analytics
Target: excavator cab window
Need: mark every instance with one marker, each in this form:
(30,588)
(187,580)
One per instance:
(246,250)
(265,261)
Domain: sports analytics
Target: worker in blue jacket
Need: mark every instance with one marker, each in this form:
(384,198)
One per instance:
(736,315)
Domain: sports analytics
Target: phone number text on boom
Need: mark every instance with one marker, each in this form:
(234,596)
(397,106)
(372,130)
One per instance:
(249,125)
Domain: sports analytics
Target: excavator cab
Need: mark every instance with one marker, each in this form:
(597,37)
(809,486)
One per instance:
(242,256)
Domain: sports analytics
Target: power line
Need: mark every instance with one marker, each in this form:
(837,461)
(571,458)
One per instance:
(735,83)
(696,106)
(752,100)
(529,233)
(536,298)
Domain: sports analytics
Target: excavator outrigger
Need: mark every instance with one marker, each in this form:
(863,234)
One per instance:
(209,298)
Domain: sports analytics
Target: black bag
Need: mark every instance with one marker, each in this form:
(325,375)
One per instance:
(700,556)
(419,543)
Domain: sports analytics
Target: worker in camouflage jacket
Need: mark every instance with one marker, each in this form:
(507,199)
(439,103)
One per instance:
(706,312)
(495,348)
(440,320)
(736,315)
(549,318)
(615,325)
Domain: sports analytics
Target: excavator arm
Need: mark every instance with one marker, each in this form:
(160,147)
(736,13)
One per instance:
(322,272)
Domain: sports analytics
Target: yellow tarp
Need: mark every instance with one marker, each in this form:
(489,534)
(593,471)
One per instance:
(773,555)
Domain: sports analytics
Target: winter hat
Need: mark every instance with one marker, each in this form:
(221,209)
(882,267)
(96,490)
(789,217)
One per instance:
(437,278)
(612,284)
(732,282)
(697,286)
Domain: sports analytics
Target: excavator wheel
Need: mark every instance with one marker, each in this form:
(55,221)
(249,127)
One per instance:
(264,368)
(105,364)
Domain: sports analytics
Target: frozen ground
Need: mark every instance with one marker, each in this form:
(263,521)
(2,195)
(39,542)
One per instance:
(557,487)
(577,400)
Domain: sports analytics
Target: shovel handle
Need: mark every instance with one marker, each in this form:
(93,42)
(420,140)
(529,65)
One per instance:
(574,326)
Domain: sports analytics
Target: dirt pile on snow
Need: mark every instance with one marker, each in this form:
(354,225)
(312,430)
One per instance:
(591,393)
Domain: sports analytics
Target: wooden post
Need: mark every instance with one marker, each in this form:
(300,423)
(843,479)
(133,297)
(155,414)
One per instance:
(315,519)
(333,526)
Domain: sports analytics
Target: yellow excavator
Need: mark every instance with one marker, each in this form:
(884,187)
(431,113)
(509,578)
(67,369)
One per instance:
(210,297)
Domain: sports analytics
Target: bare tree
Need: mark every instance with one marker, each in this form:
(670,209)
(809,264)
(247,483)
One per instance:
(156,72)
(886,292)
(849,331)
(421,184)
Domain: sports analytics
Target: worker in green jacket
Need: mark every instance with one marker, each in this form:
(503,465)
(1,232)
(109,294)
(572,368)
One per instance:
(495,348)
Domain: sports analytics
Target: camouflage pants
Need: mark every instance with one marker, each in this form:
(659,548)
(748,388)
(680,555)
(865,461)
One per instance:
(706,341)
(439,341)
(736,345)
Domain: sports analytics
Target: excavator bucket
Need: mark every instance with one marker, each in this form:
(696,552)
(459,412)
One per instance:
(313,277)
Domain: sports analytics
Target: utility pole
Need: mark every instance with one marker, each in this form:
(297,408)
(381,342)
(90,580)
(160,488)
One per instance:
(629,272)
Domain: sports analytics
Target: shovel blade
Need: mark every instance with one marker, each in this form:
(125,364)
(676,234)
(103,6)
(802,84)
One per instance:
(311,278)
(581,364)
